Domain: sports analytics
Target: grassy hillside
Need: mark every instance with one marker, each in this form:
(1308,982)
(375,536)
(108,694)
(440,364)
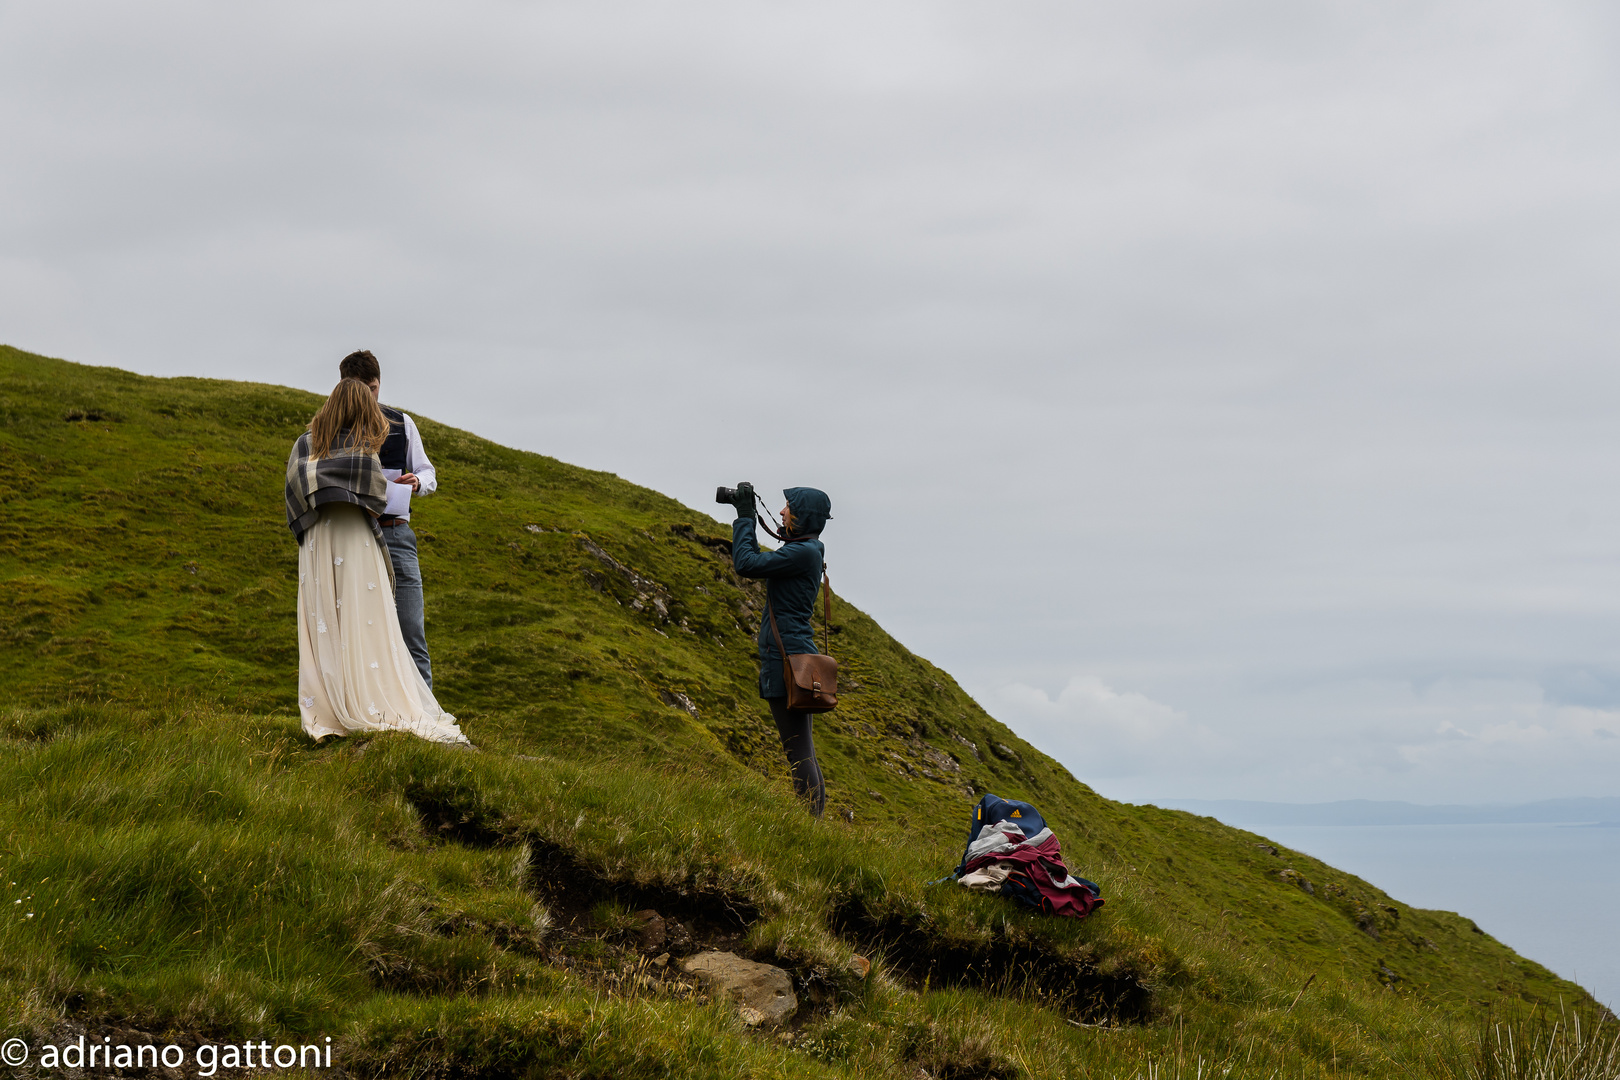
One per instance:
(188,862)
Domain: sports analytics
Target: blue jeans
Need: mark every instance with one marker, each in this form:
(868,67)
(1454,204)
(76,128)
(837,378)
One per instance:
(408,594)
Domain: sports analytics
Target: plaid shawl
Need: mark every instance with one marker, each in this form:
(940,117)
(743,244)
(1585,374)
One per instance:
(343,476)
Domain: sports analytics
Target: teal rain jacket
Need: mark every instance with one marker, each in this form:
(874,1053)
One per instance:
(792,579)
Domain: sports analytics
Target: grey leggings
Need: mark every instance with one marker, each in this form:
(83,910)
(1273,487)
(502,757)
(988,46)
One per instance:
(800,746)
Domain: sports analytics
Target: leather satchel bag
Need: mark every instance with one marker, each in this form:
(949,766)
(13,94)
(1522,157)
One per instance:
(811,678)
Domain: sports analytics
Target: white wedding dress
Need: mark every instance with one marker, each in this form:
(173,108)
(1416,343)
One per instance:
(354,672)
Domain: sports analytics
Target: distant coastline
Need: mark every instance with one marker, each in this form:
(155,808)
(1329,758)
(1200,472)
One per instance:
(1597,812)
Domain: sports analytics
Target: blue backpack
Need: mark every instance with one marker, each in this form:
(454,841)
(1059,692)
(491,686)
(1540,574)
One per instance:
(993,808)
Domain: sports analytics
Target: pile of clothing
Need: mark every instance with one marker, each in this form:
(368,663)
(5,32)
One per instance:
(1011,851)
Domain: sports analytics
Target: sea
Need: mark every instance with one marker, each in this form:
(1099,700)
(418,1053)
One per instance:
(1550,892)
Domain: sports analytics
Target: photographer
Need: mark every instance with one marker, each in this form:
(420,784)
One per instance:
(792,578)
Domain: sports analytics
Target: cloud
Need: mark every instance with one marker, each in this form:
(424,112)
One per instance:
(1527,749)
(1099,731)
(1595,686)
(1430,739)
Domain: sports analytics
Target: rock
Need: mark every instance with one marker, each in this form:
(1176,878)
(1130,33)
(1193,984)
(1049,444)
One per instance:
(1296,879)
(763,994)
(652,930)
(661,960)
(678,700)
(679,937)
(649,593)
(860,965)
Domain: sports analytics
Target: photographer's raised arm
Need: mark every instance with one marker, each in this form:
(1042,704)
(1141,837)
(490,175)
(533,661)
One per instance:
(790,560)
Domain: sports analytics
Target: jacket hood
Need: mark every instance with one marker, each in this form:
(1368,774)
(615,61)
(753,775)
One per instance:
(811,510)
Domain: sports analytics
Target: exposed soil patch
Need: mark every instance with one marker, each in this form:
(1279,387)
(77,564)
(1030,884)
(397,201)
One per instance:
(570,888)
(630,938)
(456,817)
(623,936)
(649,920)
(1002,967)
(977,1064)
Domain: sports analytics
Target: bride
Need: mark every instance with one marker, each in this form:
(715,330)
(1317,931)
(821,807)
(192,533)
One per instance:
(354,673)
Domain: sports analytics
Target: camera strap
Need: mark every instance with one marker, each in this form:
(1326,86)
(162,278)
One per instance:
(767,519)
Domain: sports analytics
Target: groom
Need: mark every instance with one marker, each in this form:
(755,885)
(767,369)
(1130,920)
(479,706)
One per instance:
(401,453)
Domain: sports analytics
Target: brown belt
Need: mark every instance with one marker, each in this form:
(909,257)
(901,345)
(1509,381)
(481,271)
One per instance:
(385,522)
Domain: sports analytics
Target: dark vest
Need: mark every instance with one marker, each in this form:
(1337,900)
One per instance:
(396,449)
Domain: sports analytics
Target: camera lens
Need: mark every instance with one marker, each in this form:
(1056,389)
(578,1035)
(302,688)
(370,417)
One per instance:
(724,494)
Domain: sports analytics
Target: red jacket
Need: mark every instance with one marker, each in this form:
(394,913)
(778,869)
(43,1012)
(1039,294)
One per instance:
(1038,877)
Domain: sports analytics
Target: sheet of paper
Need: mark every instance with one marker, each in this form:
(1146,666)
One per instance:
(399,495)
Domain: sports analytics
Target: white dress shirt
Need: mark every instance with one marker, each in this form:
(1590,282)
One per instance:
(417,463)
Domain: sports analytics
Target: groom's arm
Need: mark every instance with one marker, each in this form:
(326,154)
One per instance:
(417,460)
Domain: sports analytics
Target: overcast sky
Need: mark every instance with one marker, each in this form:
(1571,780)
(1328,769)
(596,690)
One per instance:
(1223,392)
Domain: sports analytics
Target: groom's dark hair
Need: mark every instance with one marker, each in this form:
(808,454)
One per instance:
(360,365)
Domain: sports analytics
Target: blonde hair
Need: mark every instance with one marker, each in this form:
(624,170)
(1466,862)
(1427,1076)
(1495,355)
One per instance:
(350,408)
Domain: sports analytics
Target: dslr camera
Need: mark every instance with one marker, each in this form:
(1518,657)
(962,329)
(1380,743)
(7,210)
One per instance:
(728,496)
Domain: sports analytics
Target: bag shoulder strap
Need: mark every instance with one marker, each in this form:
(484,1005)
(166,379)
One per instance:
(826,624)
(774,631)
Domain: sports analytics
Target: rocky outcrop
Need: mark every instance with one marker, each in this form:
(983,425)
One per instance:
(645,595)
(763,994)
(1297,880)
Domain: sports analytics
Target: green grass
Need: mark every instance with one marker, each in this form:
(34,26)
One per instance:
(194,864)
